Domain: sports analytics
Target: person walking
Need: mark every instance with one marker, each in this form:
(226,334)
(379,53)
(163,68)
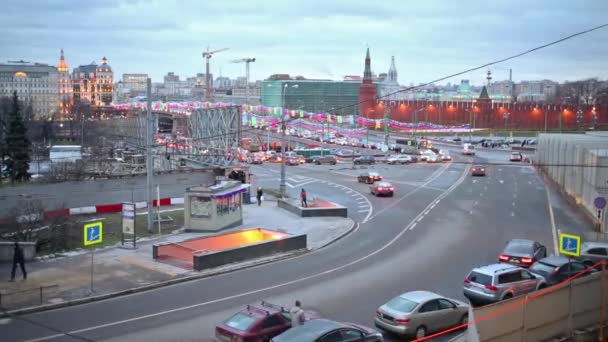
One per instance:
(303,198)
(18,258)
(259,195)
(297,315)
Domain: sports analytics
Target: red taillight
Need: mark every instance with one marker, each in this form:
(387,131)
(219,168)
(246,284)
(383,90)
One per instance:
(526,260)
(491,288)
(474,169)
(391,188)
(503,257)
(467,281)
(380,189)
(402,321)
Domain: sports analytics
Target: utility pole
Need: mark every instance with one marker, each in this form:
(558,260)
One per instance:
(386,124)
(283,184)
(149,164)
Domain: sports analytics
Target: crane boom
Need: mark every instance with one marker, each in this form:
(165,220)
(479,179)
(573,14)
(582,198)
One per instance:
(207,56)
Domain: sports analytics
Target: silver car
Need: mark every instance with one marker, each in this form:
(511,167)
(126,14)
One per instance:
(418,313)
(496,282)
(593,252)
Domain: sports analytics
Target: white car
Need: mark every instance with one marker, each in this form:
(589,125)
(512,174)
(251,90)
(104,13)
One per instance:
(425,155)
(468,149)
(399,159)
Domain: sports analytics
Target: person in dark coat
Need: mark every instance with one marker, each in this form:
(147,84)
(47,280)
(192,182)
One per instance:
(303,198)
(18,258)
(259,195)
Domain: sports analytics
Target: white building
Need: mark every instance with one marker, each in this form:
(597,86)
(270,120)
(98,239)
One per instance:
(35,83)
(65,153)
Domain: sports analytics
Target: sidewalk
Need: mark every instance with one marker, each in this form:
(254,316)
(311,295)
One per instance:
(120,269)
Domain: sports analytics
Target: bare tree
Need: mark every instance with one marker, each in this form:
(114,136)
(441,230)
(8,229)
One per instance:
(28,215)
(584,92)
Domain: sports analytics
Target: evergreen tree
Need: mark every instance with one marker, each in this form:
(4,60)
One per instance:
(17,145)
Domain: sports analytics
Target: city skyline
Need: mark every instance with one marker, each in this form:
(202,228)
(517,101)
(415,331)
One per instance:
(315,40)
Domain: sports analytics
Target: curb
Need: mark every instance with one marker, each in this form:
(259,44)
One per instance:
(79,301)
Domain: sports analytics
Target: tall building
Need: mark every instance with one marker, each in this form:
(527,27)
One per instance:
(36,85)
(367,90)
(502,90)
(135,82)
(536,91)
(66,90)
(94,83)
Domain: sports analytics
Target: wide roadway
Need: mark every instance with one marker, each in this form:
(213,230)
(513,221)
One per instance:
(440,224)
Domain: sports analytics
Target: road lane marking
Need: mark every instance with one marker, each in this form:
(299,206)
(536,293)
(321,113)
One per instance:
(512,214)
(289,185)
(501,181)
(362,211)
(412,226)
(552,219)
(243,294)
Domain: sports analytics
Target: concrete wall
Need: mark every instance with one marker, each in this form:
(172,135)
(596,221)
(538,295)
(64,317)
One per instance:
(7,248)
(561,312)
(337,210)
(214,259)
(213,222)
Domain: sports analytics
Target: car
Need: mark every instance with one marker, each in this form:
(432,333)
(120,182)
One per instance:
(522,252)
(433,158)
(399,159)
(292,161)
(496,282)
(369,177)
(426,154)
(593,252)
(257,322)
(382,188)
(418,313)
(331,160)
(478,170)
(275,158)
(321,330)
(555,269)
(446,157)
(468,149)
(256,158)
(369,160)
(516,157)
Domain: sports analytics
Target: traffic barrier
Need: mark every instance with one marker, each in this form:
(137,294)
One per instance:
(515,303)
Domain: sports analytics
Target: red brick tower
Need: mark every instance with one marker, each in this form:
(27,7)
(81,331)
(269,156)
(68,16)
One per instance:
(367,91)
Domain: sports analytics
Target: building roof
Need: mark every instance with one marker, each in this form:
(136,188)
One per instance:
(484,93)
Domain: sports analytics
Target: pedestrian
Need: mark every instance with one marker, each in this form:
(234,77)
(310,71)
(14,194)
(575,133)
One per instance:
(259,196)
(303,198)
(297,314)
(18,258)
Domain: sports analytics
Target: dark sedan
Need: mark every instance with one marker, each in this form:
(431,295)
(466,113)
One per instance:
(478,170)
(369,160)
(331,160)
(523,253)
(555,269)
(369,177)
(321,330)
(382,189)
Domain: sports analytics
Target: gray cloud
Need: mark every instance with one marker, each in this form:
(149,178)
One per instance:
(311,38)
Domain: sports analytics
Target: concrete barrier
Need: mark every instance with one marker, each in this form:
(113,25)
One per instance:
(209,260)
(327,209)
(7,248)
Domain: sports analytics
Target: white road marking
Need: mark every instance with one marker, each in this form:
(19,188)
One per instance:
(412,226)
(289,185)
(513,203)
(475,203)
(420,218)
(474,181)
(362,211)
(501,181)
(499,170)
(433,206)
(427,212)
(349,192)
(512,214)
(243,294)
(355,195)
(471,212)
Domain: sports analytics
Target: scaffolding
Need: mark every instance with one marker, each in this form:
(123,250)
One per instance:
(216,134)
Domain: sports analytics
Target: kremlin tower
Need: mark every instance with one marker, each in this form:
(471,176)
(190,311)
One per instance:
(367,91)
(65,87)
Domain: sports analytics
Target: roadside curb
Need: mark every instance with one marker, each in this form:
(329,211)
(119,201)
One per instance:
(79,301)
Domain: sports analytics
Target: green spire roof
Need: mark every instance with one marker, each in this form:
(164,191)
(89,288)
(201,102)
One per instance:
(484,93)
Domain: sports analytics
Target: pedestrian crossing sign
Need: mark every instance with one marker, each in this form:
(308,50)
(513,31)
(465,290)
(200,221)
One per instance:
(93,233)
(570,244)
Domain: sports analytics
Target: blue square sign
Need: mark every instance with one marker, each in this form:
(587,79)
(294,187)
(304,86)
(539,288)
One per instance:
(570,244)
(93,233)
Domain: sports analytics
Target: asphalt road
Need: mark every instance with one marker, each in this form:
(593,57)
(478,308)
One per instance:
(441,223)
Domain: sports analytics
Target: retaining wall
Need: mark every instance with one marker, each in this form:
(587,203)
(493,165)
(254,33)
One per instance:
(7,248)
(325,211)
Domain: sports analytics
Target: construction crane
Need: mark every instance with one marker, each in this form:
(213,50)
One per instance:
(207,56)
(246,61)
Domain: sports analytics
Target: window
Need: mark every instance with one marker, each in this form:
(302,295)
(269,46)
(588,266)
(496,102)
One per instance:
(351,334)
(576,267)
(510,277)
(272,322)
(401,304)
(597,251)
(446,304)
(334,336)
(240,322)
(430,306)
(525,275)
(480,278)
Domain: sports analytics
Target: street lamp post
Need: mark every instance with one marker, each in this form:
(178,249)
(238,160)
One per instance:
(283,184)
(579,117)
(506,117)
(594,117)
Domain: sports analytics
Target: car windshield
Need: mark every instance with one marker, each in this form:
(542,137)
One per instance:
(401,304)
(542,268)
(240,321)
(478,167)
(373,174)
(480,278)
(384,184)
(519,248)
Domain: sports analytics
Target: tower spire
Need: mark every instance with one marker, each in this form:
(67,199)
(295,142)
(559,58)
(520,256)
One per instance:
(62,66)
(392,71)
(367,73)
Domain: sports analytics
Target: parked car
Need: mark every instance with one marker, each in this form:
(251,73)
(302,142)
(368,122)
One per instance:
(493,283)
(522,252)
(478,170)
(418,313)
(322,330)
(369,160)
(382,189)
(516,157)
(593,252)
(331,160)
(555,269)
(399,159)
(257,322)
(369,177)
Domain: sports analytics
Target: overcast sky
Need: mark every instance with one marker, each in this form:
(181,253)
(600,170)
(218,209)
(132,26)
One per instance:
(313,38)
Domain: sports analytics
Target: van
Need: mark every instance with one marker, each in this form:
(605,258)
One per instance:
(468,149)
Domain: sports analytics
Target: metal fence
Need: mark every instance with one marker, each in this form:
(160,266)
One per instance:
(32,296)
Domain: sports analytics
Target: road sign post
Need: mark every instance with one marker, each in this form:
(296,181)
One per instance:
(570,245)
(93,234)
(600,203)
